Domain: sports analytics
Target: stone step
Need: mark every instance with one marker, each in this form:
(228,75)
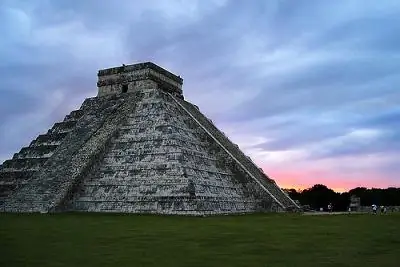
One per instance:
(119,193)
(51,139)
(167,176)
(136,182)
(172,205)
(77,153)
(163,165)
(74,115)
(23,164)
(186,155)
(169,198)
(157,140)
(162,181)
(6,189)
(31,205)
(90,103)
(41,151)
(12,176)
(63,127)
(131,172)
(144,157)
(160,150)
(238,155)
(159,123)
(145,196)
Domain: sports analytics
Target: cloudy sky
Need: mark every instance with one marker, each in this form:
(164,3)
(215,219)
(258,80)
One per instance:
(309,89)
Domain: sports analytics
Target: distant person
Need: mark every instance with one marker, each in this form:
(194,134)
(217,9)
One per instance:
(382,209)
(374,208)
(330,207)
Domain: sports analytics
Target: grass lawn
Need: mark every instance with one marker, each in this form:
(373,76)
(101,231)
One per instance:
(251,240)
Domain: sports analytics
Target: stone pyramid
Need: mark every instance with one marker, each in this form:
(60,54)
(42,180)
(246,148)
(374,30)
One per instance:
(137,147)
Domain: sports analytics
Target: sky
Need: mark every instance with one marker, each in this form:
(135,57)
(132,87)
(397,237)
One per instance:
(308,89)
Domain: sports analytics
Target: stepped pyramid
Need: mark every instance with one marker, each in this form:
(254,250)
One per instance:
(137,147)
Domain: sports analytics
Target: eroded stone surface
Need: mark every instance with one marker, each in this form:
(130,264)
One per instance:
(18,171)
(143,151)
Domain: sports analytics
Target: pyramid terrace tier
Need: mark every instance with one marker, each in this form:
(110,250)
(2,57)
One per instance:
(25,166)
(245,162)
(145,150)
(178,161)
(19,171)
(179,205)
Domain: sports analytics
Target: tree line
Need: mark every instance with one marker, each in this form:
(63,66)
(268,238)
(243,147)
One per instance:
(320,196)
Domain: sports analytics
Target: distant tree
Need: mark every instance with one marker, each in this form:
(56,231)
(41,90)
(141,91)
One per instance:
(342,201)
(293,193)
(392,196)
(378,196)
(320,195)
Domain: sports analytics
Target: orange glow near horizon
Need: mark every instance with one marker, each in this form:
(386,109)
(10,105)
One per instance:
(306,179)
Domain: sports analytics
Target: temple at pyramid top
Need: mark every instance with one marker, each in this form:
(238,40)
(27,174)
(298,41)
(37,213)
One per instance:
(137,147)
(128,78)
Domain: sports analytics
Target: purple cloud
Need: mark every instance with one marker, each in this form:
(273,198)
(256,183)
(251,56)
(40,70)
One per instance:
(304,81)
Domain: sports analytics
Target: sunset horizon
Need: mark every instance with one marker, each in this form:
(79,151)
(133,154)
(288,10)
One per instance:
(308,90)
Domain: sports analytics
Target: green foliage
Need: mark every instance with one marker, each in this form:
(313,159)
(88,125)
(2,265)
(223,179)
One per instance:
(252,240)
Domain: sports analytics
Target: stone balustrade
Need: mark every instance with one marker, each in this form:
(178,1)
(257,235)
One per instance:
(140,151)
(269,184)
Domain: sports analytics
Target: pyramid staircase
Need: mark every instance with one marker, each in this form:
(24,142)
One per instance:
(240,158)
(137,147)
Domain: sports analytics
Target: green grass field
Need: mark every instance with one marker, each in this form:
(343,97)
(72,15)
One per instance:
(251,240)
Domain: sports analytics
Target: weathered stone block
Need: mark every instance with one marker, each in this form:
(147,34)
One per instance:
(137,147)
